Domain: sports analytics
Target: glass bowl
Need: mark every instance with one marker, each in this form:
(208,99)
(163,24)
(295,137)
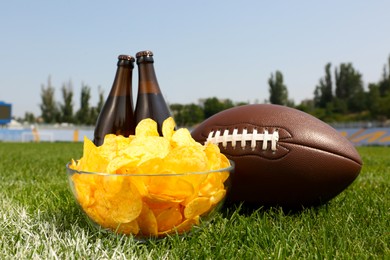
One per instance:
(149,205)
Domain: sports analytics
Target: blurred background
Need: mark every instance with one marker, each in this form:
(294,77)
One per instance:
(330,59)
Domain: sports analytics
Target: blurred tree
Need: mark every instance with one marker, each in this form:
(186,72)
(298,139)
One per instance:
(277,89)
(213,105)
(384,89)
(338,106)
(100,103)
(349,88)
(176,110)
(49,109)
(95,111)
(323,93)
(242,103)
(83,115)
(191,114)
(385,106)
(374,100)
(29,118)
(227,103)
(66,108)
(306,105)
(384,83)
(378,105)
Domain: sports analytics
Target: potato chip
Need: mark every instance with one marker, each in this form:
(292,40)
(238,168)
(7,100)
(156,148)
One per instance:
(112,185)
(186,159)
(223,176)
(183,138)
(151,166)
(127,169)
(88,147)
(147,222)
(120,164)
(169,218)
(213,159)
(144,148)
(122,142)
(113,146)
(127,205)
(139,183)
(217,196)
(197,207)
(158,203)
(224,161)
(110,147)
(74,164)
(85,197)
(93,214)
(126,228)
(102,199)
(185,226)
(133,199)
(84,190)
(168,128)
(211,185)
(92,161)
(146,127)
(125,210)
(196,180)
(170,187)
(99,214)
(121,207)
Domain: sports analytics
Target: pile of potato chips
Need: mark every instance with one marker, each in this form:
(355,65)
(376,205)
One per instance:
(150,185)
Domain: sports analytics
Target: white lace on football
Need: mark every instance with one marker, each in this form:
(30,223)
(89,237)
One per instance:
(215,137)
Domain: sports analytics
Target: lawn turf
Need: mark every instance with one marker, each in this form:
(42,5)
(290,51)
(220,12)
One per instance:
(39,218)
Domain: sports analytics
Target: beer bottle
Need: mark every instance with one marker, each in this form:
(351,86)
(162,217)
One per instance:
(150,101)
(117,115)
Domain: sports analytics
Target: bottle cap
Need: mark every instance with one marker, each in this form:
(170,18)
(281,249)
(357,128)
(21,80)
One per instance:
(144,53)
(144,57)
(126,57)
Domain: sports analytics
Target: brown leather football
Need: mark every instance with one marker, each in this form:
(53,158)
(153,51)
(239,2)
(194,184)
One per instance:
(282,156)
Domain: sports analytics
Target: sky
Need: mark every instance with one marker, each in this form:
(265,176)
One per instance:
(222,48)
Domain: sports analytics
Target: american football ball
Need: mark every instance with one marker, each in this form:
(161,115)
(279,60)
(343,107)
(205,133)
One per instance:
(283,156)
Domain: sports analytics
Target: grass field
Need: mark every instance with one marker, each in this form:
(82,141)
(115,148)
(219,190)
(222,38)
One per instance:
(39,218)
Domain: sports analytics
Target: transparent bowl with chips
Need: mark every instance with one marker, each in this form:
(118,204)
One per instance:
(147,185)
(149,205)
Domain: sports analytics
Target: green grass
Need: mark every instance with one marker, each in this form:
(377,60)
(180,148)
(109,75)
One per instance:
(39,218)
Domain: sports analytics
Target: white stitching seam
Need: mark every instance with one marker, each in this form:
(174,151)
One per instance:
(215,137)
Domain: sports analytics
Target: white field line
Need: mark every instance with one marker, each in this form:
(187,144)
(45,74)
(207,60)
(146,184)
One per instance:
(26,236)
(31,236)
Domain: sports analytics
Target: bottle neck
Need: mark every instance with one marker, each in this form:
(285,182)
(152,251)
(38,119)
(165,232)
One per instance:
(147,79)
(122,85)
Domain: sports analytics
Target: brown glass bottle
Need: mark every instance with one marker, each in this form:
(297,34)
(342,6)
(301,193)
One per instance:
(117,114)
(150,101)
